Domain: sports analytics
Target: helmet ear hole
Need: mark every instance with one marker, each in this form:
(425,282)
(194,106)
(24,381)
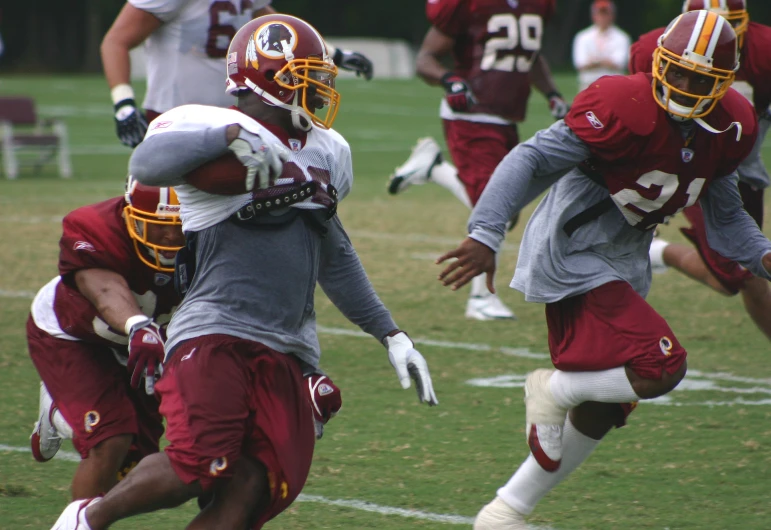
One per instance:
(270,75)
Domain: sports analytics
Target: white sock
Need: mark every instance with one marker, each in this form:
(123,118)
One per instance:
(61,425)
(446,175)
(570,389)
(656,252)
(479,286)
(531,482)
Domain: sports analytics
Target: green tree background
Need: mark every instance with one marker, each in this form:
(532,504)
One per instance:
(55,36)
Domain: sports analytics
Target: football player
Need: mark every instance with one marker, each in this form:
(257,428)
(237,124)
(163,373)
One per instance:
(185,44)
(238,421)
(495,49)
(95,333)
(754,82)
(617,167)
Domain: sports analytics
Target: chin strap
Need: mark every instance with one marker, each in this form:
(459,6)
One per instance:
(711,129)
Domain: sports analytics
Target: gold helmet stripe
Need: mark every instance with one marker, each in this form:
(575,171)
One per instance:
(710,20)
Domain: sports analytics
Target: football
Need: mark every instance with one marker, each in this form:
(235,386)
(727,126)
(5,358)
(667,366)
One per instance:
(225,175)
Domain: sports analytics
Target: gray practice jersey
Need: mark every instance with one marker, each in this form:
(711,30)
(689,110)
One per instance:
(258,282)
(752,171)
(553,265)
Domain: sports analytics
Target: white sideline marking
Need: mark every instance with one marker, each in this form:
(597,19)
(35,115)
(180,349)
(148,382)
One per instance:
(389,510)
(69,456)
(514,352)
(354,504)
(324,330)
(16,294)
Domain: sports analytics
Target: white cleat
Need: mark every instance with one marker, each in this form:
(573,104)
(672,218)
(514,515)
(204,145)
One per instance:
(74,515)
(417,169)
(656,254)
(45,440)
(499,516)
(488,307)
(545,420)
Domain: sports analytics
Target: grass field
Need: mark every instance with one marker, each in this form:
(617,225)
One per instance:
(697,459)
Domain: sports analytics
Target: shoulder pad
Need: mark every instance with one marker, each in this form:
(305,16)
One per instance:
(626,101)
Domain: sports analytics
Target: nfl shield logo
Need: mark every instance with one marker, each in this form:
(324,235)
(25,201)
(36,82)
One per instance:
(295,145)
(687,154)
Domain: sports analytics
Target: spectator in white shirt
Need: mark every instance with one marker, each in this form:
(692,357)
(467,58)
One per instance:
(602,48)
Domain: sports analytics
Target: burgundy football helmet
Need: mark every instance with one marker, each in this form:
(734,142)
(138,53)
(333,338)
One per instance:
(285,61)
(701,42)
(735,11)
(148,206)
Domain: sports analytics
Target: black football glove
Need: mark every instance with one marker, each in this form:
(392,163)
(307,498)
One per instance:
(130,124)
(457,92)
(353,61)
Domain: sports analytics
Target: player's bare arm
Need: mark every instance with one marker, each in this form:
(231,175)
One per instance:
(109,292)
(130,29)
(543,81)
(428,63)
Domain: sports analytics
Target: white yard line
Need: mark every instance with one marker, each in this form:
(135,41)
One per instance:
(514,352)
(353,504)
(325,330)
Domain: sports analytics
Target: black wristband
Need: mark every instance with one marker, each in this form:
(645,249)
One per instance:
(444,79)
(554,94)
(124,102)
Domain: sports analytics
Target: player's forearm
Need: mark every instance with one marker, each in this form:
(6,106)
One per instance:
(110,295)
(131,27)
(541,78)
(343,279)
(429,68)
(151,164)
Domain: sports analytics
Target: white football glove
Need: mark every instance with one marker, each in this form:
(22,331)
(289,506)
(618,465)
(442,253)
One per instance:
(409,363)
(264,161)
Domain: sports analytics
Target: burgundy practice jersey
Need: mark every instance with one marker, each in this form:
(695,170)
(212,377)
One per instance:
(496,43)
(753,80)
(651,170)
(96,237)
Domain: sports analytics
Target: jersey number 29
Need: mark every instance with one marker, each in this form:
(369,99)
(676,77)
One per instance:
(524,33)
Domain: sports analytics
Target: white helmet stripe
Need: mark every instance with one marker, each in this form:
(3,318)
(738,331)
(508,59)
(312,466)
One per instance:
(163,195)
(696,33)
(715,36)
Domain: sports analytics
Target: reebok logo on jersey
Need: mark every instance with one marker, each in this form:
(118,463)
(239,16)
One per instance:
(188,356)
(593,121)
(687,154)
(83,245)
(162,124)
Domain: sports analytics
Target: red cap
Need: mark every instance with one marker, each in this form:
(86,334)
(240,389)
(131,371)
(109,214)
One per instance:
(606,5)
